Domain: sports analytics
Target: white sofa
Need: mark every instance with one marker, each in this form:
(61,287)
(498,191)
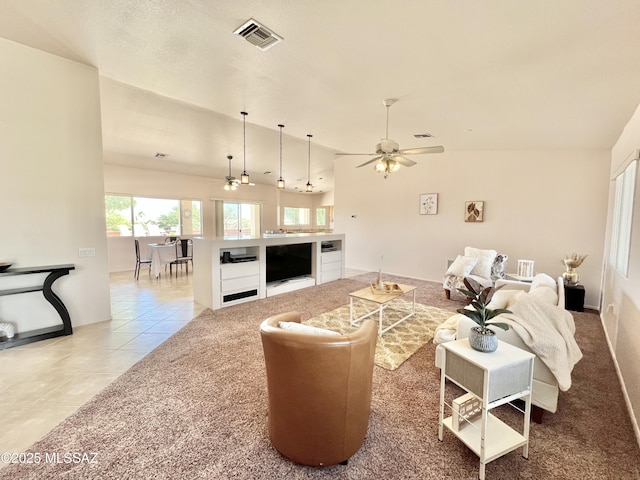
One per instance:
(544,289)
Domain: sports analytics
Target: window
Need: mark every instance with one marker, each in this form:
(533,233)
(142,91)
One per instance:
(241,220)
(296,216)
(622,218)
(118,215)
(145,217)
(321,217)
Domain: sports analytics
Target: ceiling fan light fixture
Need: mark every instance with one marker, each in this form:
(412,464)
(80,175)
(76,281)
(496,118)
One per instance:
(280,182)
(380,166)
(393,166)
(244,178)
(231,184)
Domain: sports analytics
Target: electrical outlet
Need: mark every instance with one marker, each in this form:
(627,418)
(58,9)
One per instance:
(86,252)
(611,308)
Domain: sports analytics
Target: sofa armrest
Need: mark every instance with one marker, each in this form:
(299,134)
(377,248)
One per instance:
(513,284)
(560,282)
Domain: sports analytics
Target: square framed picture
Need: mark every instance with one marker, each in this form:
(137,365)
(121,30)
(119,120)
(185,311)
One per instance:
(428,204)
(474,211)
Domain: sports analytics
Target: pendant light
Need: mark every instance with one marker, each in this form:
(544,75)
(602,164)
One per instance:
(244,178)
(309,188)
(280,183)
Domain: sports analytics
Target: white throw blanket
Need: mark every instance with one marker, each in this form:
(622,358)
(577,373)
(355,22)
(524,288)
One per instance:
(548,330)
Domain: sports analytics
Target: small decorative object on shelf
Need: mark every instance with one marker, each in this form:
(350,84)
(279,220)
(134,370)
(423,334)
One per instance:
(7,329)
(525,268)
(482,338)
(571,275)
(465,409)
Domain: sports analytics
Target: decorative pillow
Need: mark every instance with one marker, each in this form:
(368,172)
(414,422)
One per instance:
(485,260)
(462,266)
(499,266)
(302,328)
(543,280)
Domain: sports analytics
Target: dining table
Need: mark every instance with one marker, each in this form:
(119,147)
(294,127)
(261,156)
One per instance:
(160,254)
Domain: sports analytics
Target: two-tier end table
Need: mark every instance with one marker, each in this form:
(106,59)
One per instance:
(383,301)
(493,379)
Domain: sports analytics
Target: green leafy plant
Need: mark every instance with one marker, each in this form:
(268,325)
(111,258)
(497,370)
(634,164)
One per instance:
(479,299)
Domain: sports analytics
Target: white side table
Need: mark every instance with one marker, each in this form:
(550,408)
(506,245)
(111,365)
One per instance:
(495,379)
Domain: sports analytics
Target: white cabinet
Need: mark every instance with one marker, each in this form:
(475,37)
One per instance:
(330,266)
(495,379)
(239,282)
(236,270)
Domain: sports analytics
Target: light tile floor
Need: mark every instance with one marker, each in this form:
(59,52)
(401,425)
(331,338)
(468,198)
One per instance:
(44,382)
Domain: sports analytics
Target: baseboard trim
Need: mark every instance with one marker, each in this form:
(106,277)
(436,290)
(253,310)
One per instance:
(625,394)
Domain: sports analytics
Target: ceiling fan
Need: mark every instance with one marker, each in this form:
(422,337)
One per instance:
(389,155)
(232,182)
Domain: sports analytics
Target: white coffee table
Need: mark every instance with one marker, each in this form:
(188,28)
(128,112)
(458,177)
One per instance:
(383,302)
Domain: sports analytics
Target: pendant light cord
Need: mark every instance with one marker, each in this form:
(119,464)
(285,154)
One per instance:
(244,141)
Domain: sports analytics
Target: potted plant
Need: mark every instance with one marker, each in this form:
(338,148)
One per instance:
(481,337)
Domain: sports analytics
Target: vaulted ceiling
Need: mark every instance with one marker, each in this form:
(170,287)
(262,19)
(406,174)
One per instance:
(477,75)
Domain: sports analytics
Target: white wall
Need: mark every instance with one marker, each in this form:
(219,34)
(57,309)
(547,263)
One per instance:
(622,320)
(52,182)
(539,205)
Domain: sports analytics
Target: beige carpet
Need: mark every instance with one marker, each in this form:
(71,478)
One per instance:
(399,343)
(196,408)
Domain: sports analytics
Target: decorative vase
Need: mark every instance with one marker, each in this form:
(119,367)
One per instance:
(483,339)
(379,284)
(7,330)
(571,276)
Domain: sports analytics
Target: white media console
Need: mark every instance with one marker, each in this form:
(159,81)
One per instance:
(232,271)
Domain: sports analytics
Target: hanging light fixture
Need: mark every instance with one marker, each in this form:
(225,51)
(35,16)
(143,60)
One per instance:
(309,188)
(280,183)
(244,178)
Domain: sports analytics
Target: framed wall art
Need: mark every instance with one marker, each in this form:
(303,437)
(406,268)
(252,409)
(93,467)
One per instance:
(428,204)
(474,211)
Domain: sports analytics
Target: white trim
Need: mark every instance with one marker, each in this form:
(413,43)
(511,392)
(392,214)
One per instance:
(634,155)
(625,393)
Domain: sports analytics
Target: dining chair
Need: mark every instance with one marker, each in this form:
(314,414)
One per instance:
(139,261)
(183,256)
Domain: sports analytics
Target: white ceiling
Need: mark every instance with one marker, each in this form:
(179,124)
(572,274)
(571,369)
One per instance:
(478,75)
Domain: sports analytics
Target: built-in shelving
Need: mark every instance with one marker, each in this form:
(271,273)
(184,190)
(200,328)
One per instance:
(219,282)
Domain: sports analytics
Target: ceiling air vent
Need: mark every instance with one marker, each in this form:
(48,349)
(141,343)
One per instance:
(257,34)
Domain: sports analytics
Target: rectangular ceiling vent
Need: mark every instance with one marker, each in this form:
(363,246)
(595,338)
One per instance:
(257,34)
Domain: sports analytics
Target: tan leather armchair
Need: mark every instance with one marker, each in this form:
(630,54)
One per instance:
(319,390)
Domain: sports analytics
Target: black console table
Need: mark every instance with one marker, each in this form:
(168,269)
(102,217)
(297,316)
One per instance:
(55,272)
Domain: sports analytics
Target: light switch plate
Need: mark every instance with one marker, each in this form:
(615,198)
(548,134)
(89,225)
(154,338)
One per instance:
(86,252)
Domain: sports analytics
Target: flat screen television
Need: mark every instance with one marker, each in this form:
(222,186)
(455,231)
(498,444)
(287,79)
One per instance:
(288,261)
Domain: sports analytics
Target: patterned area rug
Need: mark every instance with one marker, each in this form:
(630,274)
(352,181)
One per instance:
(398,344)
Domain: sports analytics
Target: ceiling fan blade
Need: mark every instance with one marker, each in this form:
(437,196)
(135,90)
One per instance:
(343,153)
(370,161)
(404,161)
(418,151)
